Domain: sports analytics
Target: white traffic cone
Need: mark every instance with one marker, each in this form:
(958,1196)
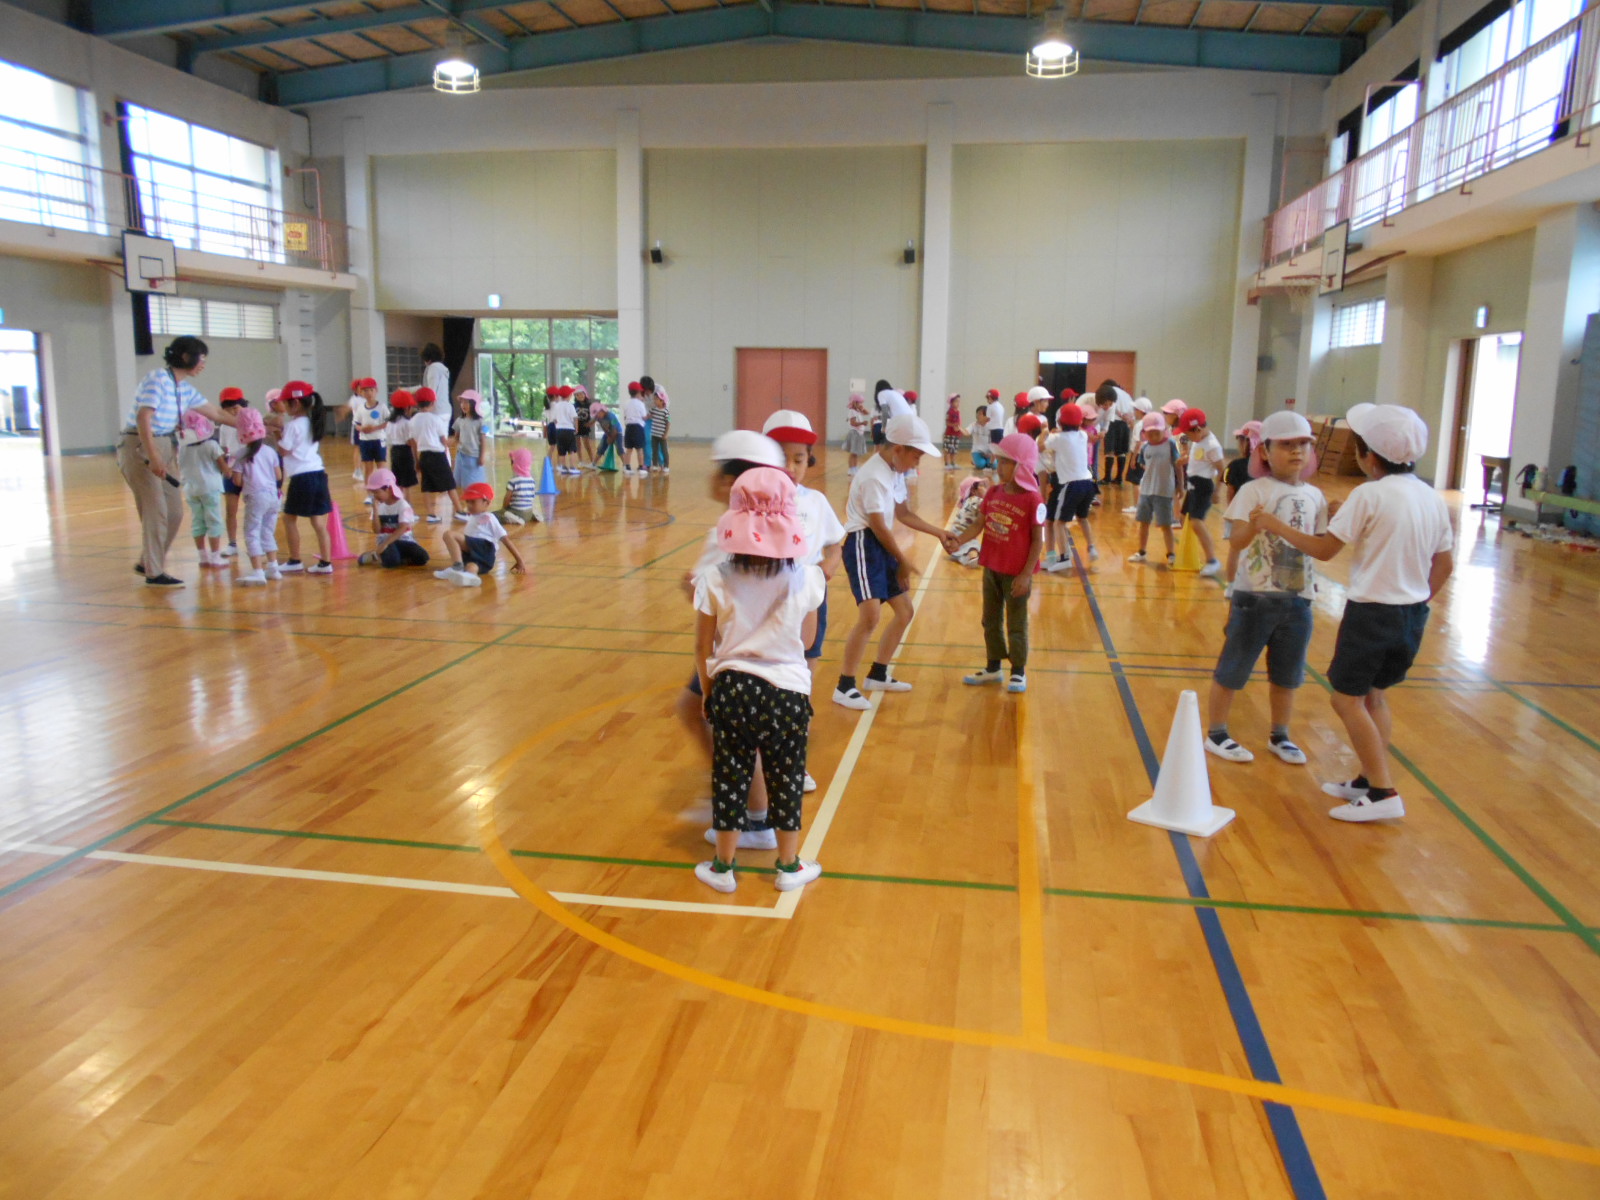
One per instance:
(1183,788)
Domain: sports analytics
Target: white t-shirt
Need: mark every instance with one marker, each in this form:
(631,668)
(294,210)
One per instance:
(398,432)
(897,406)
(1395,525)
(298,448)
(1205,456)
(759,621)
(228,439)
(259,476)
(437,376)
(369,421)
(202,468)
(997,415)
(1069,451)
(484,525)
(818,520)
(1268,563)
(634,411)
(877,488)
(429,431)
(396,516)
(563,412)
(711,553)
(1123,409)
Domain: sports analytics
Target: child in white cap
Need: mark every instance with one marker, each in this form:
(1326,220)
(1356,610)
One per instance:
(879,570)
(1400,529)
(1274,587)
(756,613)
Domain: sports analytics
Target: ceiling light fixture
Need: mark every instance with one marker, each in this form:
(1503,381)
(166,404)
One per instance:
(455,76)
(1053,56)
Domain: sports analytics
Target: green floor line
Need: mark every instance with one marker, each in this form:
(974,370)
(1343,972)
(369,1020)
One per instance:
(1487,839)
(150,818)
(1551,717)
(650,562)
(908,880)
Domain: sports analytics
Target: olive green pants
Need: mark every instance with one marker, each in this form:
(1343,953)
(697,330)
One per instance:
(1011,640)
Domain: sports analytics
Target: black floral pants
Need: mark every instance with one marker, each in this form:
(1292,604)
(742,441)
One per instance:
(748,714)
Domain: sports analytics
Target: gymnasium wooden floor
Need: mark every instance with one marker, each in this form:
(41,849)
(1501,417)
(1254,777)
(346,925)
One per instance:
(372,887)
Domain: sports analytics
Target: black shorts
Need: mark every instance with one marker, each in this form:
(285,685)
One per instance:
(877,434)
(401,553)
(566,441)
(404,465)
(480,552)
(1072,501)
(436,474)
(995,435)
(1118,437)
(371,449)
(308,495)
(1376,646)
(633,437)
(1197,500)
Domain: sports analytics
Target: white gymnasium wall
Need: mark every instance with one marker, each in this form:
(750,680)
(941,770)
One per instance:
(72,303)
(1347,375)
(537,227)
(791,248)
(1096,246)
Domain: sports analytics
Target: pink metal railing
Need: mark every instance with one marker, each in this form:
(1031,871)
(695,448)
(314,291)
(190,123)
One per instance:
(66,195)
(1505,116)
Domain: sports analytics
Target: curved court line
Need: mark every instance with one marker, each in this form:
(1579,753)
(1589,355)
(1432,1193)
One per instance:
(1128,1064)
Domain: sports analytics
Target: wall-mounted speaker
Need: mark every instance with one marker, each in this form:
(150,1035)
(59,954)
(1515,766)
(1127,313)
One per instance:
(656,256)
(911,254)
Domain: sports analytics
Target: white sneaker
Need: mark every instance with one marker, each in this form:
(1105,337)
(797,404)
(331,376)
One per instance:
(1131,510)
(890,684)
(512,520)
(1017,683)
(1140,557)
(666,470)
(290,567)
(1094,553)
(321,568)
(751,839)
(1230,750)
(1060,565)
(984,675)
(1211,569)
(230,550)
(461,516)
(718,881)
(433,518)
(1388,809)
(368,502)
(1050,559)
(851,699)
(811,784)
(1288,751)
(252,577)
(468,579)
(447,574)
(790,881)
(273,572)
(1345,790)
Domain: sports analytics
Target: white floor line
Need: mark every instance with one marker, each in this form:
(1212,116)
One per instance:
(391,881)
(817,832)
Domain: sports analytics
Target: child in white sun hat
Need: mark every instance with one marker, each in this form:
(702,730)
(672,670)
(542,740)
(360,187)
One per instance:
(1403,541)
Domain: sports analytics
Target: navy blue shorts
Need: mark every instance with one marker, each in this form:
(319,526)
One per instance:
(873,571)
(307,495)
(1376,646)
(633,437)
(1072,501)
(815,649)
(1197,500)
(372,449)
(995,435)
(229,487)
(479,552)
(1280,625)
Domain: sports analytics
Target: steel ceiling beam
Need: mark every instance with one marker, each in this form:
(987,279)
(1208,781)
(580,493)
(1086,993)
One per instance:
(874,27)
(321,27)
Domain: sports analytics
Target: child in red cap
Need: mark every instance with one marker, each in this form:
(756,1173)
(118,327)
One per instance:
(430,434)
(1197,480)
(472,547)
(1073,488)
(756,613)
(231,401)
(1013,540)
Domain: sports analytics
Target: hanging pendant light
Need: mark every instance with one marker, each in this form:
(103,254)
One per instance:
(455,74)
(1052,56)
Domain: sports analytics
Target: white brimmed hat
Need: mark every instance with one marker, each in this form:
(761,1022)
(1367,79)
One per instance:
(1282,426)
(787,425)
(908,430)
(746,445)
(1390,431)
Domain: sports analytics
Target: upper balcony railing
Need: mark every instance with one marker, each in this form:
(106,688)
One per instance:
(61,194)
(1546,93)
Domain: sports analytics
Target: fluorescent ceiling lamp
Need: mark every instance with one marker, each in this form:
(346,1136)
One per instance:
(455,77)
(1053,56)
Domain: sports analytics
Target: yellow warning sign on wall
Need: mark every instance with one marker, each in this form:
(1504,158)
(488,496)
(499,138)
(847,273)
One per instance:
(297,236)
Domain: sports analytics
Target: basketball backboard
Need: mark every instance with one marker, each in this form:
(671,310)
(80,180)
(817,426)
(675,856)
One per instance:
(1334,244)
(149,264)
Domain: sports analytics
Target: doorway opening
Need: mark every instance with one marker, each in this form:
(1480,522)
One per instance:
(1484,401)
(1085,370)
(21,409)
(768,378)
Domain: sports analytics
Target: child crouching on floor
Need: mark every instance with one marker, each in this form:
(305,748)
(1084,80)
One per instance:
(756,614)
(392,523)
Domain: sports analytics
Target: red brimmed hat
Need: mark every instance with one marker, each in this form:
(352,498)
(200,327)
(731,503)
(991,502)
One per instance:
(425,395)
(231,395)
(478,491)
(911,397)
(1070,417)
(992,394)
(786,425)
(1030,424)
(564,392)
(634,387)
(402,399)
(368,382)
(1192,419)
(296,389)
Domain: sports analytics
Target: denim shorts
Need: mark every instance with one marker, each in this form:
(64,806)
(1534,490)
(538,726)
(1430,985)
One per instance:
(1154,508)
(1278,624)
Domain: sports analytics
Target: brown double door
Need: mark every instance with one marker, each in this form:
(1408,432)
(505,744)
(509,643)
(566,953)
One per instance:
(767,379)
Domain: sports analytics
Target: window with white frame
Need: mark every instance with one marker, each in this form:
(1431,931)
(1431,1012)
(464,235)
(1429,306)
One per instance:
(171,316)
(204,189)
(47,150)
(1357,325)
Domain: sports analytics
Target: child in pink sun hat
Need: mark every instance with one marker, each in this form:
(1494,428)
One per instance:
(756,612)
(1013,541)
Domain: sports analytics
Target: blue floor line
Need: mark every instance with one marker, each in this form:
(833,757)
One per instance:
(1286,1132)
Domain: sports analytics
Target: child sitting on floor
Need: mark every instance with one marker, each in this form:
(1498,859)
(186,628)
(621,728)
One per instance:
(522,492)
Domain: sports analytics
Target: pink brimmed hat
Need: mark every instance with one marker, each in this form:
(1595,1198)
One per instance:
(522,461)
(198,424)
(762,519)
(380,479)
(251,426)
(1024,451)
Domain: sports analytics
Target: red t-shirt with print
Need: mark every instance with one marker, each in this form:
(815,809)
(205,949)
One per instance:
(1009,519)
